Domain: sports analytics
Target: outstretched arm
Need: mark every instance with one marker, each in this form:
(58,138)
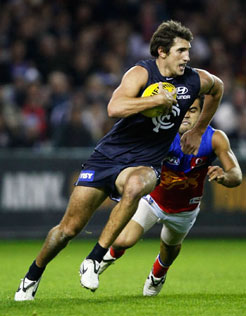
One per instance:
(212,87)
(230,175)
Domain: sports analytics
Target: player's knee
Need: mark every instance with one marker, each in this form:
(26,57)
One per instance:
(124,243)
(170,246)
(133,194)
(135,188)
(69,232)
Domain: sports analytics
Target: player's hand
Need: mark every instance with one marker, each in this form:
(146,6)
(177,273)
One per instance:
(190,142)
(167,99)
(216,173)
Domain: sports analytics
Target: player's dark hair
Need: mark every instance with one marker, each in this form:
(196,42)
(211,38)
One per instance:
(166,33)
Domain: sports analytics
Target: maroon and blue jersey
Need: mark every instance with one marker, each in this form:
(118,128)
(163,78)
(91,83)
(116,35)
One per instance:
(143,140)
(182,176)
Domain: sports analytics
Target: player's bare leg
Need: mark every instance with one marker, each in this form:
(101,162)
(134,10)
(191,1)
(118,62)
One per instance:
(127,238)
(83,202)
(138,183)
(133,183)
(168,253)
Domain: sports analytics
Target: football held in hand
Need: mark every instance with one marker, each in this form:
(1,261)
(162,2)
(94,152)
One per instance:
(153,89)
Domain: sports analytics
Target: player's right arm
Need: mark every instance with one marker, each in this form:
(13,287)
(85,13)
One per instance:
(124,101)
(230,175)
(213,88)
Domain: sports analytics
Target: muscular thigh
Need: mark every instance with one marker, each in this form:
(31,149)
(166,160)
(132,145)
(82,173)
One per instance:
(144,215)
(147,175)
(82,204)
(177,226)
(171,237)
(129,236)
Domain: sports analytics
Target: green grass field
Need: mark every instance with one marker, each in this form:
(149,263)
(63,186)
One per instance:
(208,278)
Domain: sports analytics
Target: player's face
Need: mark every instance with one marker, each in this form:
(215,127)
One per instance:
(178,57)
(191,117)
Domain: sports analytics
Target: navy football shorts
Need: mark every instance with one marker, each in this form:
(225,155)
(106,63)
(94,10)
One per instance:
(100,171)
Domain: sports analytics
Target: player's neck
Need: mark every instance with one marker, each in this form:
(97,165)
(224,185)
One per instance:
(163,68)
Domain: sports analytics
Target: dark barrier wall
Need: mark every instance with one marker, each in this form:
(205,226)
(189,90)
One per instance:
(35,187)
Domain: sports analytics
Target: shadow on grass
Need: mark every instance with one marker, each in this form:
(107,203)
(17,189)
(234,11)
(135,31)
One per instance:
(135,299)
(195,304)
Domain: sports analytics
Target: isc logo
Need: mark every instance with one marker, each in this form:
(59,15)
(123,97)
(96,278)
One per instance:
(87,175)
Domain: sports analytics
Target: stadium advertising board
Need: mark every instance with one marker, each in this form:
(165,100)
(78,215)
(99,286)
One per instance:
(34,191)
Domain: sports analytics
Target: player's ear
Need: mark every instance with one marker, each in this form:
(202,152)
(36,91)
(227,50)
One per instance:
(161,52)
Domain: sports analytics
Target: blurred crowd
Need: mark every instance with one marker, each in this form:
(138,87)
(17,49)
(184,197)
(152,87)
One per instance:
(61,60)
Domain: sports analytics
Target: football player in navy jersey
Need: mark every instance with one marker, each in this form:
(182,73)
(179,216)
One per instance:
(175,202)
(126,161)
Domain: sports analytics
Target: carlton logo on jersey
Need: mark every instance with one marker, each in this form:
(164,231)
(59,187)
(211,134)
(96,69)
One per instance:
(160,120)
(166,121)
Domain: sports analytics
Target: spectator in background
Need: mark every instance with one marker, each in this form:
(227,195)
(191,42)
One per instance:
(82,67)
(111,69)
(90,38)
(59,99)
(73,133)
(48,55)
(94,89)
(94,118)
(226,119)
(34,117)
(5,135)
(231,113)
(19,63)
(10,133)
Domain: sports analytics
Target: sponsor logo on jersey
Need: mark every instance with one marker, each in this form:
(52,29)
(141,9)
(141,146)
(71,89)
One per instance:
(183,97)
(182,90)
(182,93)
(87,175)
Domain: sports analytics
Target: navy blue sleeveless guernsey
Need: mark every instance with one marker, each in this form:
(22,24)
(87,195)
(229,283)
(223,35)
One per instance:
(144,140)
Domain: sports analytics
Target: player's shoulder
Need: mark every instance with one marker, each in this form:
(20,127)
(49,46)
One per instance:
(206,74)
(219,139)
(190,76)
(146,63)
(219,134)
(137,74)
(209,81)
(136,69)
(189,70)
(208,134)
(149,65)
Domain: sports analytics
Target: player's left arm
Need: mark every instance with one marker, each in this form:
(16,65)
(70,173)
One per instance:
(213,88)
(230,174)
